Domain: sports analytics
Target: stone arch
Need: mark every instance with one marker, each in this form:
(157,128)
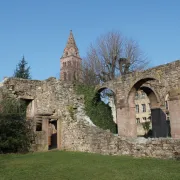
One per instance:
(137,85)
(153,90)
(140,81)
(146,77)
(159,125)
(152,95)
(100,89)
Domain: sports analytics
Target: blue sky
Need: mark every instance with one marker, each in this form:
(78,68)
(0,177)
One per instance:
(38,29)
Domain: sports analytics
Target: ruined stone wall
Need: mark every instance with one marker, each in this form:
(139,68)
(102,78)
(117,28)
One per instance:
(158,81)
(46,98)
(49,96)
(77,136)
(77,132)
(162,79)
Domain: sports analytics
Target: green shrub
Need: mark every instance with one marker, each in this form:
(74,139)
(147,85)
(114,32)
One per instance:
(99,112)
(15,132)
(146,127)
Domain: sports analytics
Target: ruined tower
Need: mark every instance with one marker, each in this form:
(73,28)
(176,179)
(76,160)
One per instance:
(70,61)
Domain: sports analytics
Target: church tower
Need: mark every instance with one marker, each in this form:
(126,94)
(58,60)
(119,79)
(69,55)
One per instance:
(70,61)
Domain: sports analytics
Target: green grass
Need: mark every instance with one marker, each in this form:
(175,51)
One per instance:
(83,166)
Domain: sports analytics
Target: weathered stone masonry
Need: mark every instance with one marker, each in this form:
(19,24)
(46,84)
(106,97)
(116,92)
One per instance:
(157,82)
(51,99)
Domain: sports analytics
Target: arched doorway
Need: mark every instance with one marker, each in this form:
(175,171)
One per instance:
(158,116)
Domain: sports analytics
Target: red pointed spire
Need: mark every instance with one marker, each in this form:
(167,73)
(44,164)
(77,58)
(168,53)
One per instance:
(71,48)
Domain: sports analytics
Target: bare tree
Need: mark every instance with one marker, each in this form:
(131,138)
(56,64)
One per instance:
(113,55)
(89,76)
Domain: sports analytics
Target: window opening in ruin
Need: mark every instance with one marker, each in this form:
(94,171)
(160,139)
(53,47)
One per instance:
(27,104)
(39,126)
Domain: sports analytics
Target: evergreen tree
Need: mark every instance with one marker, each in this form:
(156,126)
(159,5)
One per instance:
(22,71)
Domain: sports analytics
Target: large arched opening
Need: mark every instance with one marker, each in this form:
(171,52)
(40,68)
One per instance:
(156,124)
(105,104)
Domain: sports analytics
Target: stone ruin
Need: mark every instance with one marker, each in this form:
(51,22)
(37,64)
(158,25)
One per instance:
(60,122)
(162,86)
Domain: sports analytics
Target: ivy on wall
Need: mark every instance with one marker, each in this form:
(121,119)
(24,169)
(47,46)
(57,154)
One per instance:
(99,112)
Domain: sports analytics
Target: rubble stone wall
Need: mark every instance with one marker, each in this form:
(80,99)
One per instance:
(82,136)
(161,79)
(77,132)
(156,82)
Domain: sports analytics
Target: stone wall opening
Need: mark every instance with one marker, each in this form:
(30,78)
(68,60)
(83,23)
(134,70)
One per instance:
(52,134)
(38,125)
(158,116)
(107,97)
(29,103)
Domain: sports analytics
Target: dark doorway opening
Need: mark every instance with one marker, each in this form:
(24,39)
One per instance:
(157,110)
(52,134)
(157,115)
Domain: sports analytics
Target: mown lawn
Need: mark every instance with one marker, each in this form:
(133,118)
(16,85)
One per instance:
(83,166)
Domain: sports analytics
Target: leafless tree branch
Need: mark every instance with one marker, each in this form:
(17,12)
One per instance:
(111,56)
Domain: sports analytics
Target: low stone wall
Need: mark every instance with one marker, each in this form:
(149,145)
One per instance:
(40,143)
(81,137)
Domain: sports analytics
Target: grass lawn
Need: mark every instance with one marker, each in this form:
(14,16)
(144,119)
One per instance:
(83,166)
